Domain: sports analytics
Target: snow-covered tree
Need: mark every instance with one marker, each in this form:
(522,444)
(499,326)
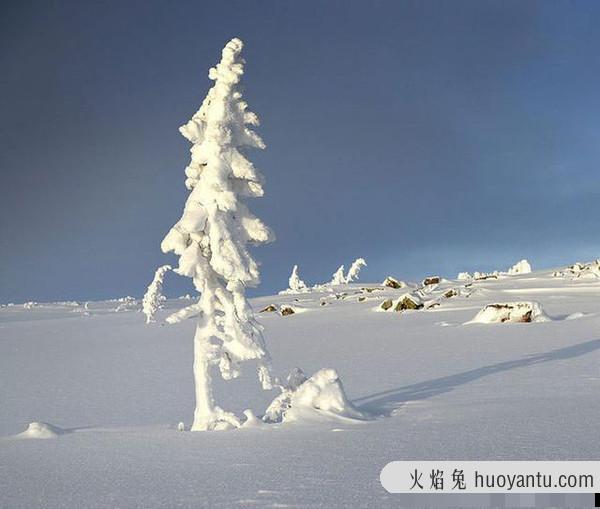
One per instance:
(212,235)
(522,267)
(153,297)
(296,285)
(341,278)
(354,270)
(338,277)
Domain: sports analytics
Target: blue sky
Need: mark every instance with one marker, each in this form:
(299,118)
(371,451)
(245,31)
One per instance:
(425,136)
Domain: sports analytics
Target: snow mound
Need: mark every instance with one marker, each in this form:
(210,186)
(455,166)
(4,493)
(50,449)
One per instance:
(320,397)
(41,430)
(522,267)
(515,312)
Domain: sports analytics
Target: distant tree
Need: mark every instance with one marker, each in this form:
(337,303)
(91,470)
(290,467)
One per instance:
(295,283)
(212,235)
(338,277)
(354,270)
(153,297)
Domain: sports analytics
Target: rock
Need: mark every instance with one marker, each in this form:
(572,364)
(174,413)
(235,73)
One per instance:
(387,304)
(450,293)
(371,290)
(393,283)
(431,280)
(361,299)
(408,301)
(41,430)
(287,310)
(483,277)
(269,309)
(578,270)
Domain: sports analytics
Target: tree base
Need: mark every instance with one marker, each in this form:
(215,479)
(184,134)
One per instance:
(220,420)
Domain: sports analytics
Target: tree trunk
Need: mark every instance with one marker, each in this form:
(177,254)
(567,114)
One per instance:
(205,412)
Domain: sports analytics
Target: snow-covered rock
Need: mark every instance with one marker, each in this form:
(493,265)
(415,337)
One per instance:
(515,312)
(393,283)
(481,276)
(590,270)
(287,310)
(41,430)
(431,280)
(405,302)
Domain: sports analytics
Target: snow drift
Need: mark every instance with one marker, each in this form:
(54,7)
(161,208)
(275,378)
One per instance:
(319,397)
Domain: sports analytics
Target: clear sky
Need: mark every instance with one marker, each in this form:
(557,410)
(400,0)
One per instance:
(425,136)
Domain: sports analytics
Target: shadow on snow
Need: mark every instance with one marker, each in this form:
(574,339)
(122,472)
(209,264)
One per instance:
(386,402)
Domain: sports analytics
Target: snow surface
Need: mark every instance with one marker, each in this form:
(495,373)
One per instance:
(437,389)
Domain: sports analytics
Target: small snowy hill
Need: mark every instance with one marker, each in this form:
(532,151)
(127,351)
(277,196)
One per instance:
(107,392)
